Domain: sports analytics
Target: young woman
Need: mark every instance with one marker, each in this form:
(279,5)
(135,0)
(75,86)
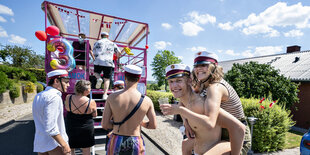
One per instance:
(79,119)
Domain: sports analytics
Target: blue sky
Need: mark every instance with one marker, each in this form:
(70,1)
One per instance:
(232,29)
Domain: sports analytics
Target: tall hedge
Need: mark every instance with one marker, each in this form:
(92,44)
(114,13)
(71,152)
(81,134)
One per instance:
(262,80)
(3,82)
(269,131)
(18,73)
(39,73)
(155,95)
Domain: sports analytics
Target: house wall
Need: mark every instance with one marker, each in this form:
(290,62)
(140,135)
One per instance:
(302,114)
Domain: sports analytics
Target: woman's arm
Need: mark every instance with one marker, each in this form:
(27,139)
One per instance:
(235,128)
(94,108)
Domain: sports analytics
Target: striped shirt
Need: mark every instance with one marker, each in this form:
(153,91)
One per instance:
(233,104)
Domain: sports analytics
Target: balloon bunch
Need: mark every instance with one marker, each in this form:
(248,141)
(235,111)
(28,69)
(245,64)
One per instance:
(52,30)
(65,59)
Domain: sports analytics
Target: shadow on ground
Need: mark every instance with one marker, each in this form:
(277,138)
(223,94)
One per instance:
(17,137)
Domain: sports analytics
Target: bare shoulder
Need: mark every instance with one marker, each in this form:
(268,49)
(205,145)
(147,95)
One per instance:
(148,100)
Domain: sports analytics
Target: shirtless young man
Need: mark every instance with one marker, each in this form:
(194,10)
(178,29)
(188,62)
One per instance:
(192,108)
(126,134)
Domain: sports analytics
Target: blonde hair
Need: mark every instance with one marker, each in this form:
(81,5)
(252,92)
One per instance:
(215,72)
(81,86)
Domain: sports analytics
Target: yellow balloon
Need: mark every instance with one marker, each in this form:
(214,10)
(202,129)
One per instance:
(54,64)
(128,51)
(50,47)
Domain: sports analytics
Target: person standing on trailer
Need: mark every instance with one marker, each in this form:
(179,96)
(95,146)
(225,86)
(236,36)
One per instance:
(80,45)
(47,110)
(127,109)
(103,62)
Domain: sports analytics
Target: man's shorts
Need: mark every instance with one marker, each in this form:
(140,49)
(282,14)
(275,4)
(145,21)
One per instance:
(247,138)
(107,71)
(125,145)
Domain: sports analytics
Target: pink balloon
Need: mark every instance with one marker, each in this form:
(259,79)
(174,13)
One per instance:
(52,30)
(41,35)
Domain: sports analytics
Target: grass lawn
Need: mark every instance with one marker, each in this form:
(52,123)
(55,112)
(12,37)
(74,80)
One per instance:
(293,139)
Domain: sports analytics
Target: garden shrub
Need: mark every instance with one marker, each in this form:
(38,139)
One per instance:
(155,95)
(39,73)
(18,73)
(40,87)
(29,87)
(3,82)
(269,131)
(15,91)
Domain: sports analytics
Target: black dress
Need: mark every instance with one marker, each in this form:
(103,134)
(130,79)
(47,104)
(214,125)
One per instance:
(80,128)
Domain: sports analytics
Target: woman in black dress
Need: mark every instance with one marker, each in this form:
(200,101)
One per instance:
(79,119)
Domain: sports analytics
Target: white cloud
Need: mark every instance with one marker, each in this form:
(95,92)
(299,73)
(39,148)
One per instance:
(191,29)
(261,51)
(180,57)
(17,39)
(197,49)
(201,18)
(294,33)
(247,54)
(267,50)
(6,10)
(192,24)
(272,19)
(161,45)
(3,33)
(232,53)
(166,26)
(225,26)
(12,20)
(2,19)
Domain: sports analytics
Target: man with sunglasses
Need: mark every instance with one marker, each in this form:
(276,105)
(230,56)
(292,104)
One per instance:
(47,109)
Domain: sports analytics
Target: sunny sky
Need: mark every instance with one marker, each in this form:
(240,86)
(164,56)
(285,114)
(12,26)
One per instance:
(232,29)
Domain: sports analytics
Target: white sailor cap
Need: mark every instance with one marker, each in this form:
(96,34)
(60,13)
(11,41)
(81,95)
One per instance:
(105,33)
(177,70)
(133,70)
(205,58)
(58,73)
(119,82)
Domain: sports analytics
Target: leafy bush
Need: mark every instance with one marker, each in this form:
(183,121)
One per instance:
(15,91)
(40,87)
(270,129)
(40,73)
(29,87)
(3,82)
(262,80)
(152,86)
(155,95)
(17,73)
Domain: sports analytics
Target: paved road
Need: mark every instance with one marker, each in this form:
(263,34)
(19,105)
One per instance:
(17,139)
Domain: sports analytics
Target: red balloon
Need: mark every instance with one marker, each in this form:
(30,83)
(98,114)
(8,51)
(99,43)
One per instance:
(52,30)
(41,35)
(146,47)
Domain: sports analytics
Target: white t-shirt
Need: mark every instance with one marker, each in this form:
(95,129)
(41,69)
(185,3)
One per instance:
(47,111)
(103,52)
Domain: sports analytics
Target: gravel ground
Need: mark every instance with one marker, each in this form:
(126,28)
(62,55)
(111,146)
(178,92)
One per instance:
(167,134)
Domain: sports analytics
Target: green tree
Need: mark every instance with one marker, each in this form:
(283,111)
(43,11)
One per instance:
(262,80)
(23,57)
(161,60)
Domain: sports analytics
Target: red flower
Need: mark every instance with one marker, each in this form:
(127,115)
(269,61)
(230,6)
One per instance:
(262,107)
(262,100)
(271,104)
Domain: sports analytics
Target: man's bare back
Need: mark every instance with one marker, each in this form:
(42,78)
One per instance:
(121,104)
